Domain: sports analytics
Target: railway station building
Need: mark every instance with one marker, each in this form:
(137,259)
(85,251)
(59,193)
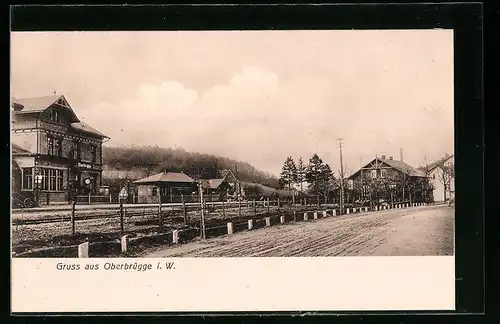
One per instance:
(54,153)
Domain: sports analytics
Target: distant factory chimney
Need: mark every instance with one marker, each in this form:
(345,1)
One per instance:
(401,154)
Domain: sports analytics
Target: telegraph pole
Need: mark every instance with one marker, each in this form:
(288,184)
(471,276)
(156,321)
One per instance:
(341,177)
(202,210)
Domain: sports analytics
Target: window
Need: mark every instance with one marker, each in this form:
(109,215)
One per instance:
(383,173)
(27,175)
(56,116)
(76,150)
(54,146)
(374,174)
(58,147)
(50,145)
(52,179)
(93,150)
(59,177)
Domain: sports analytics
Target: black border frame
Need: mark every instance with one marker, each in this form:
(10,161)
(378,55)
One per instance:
(465,18)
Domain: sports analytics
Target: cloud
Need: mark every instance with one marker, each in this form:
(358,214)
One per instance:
(255,96)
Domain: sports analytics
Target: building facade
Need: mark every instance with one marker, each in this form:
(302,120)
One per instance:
(389,180)
(58,156)
(442,175)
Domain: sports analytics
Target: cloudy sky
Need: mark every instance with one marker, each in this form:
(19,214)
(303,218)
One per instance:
(257,96)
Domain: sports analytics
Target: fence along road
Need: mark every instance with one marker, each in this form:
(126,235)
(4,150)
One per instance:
(395,232)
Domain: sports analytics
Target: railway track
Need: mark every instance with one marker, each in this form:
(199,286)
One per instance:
(149,213)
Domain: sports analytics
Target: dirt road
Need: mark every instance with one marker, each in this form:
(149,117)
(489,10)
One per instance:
(414,231)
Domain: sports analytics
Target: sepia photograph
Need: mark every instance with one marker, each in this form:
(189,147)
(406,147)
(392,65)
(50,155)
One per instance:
(222,144)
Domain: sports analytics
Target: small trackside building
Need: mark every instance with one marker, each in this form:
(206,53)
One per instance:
(164,187)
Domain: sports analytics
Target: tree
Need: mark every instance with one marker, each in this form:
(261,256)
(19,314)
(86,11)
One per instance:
(377,189)
(319,176)
(253,190)
(301,173)
(288,175)
(445,174)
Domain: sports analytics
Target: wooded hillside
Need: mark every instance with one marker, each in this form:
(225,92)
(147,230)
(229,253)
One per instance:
(149,160)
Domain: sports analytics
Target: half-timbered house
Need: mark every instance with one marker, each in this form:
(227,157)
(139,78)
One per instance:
(390,180)
(57,154)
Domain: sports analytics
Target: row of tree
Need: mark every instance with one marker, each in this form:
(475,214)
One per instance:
(316,174)
(321,181)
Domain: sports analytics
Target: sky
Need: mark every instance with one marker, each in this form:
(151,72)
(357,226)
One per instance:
(256,96)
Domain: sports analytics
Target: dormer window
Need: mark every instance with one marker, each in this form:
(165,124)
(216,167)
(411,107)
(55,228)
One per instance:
(374,174)
(56,116)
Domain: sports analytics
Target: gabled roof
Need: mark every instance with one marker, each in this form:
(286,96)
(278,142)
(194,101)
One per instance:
(166,177)
(40,104)
(18,150)
(85,128)
(211,183)
(435,164)
(404,168)
(36,104)
(226,172)
(398,165)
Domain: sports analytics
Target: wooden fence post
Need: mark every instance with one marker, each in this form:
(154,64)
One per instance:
(223,210)
(160,219)
(268,204)
(73,205)
(254,207)
(121,217)
(278,202)
(184,211)
(239,207)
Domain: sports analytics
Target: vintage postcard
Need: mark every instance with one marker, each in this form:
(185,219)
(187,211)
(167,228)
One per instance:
(215,171)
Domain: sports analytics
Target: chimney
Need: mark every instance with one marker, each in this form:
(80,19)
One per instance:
(401,154)
(391,158)
(383,157)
